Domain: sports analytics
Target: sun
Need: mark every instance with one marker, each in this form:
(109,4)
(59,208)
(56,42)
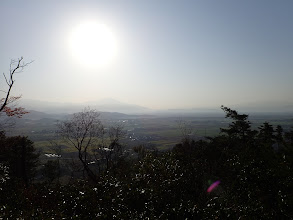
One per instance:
(93,44)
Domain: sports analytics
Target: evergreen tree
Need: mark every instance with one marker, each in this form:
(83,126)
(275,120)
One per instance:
(19,154)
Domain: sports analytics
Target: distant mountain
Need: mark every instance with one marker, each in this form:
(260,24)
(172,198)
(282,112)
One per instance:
(266,106)
(36,115)
(50,107)
(106,101)
(104,105)
(112,105)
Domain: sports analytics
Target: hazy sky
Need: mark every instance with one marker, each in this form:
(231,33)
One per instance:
(169,54)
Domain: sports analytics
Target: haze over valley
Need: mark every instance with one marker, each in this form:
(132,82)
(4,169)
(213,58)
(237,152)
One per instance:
(111,105)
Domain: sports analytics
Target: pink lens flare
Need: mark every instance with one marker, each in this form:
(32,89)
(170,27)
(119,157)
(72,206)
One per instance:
(213,186)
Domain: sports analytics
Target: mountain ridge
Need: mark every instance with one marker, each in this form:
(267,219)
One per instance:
(112,105)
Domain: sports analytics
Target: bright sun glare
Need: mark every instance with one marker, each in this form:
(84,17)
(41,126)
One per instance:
(93,44)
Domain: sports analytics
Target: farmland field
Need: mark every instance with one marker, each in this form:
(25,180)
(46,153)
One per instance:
(161,132)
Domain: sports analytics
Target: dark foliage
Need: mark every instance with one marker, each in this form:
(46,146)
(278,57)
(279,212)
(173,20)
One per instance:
(19,156)
(256,182)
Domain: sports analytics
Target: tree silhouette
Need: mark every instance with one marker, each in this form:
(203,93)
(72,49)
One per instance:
(7,102)
(16,66)
(20,155)
(80,132)
(240,128)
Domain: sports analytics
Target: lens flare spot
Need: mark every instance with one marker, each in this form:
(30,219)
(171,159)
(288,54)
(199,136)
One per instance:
(213,186)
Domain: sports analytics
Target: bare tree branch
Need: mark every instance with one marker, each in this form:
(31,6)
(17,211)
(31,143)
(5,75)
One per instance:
(15,67)
(80,132)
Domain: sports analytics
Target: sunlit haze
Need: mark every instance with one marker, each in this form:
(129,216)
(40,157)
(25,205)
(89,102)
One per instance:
(156,54)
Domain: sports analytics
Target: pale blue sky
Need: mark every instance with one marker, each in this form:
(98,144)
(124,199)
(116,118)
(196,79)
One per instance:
(171,54)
